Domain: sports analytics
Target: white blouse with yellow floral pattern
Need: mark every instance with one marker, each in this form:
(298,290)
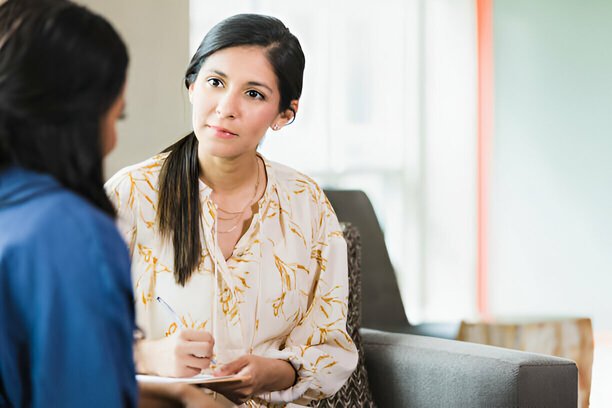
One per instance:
(282,294)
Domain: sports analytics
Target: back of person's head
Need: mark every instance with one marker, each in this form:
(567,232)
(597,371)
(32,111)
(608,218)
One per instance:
(282,49)
(61,68)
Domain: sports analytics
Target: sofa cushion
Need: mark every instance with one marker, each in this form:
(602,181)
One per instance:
(356,392)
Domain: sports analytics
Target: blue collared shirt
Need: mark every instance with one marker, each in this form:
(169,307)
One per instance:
(66,310)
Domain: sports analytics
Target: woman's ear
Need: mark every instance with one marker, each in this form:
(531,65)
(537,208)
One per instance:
(292,111)
(190,90)
(287,116)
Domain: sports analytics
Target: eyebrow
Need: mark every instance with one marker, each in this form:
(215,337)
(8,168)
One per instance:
(250,83)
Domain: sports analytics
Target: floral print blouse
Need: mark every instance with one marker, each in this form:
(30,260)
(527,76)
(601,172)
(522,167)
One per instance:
(282,293)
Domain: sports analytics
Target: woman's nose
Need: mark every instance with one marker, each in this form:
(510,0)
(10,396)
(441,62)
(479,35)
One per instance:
(227,105)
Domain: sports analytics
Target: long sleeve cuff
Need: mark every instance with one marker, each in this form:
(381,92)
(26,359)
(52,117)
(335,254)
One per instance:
(319,376)
(304,381)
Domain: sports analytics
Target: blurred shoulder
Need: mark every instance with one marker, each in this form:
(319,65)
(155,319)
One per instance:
(135,183)
(146,172)
(60,219)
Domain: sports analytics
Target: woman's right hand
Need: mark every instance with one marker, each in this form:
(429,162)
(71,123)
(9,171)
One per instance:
(183,354)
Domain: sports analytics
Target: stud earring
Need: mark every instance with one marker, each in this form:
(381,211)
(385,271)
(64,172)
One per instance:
(275,127)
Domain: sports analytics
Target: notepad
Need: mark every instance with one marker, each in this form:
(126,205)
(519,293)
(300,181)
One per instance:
(197,379)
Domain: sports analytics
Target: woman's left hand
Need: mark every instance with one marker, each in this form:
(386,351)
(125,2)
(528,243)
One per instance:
(260,374)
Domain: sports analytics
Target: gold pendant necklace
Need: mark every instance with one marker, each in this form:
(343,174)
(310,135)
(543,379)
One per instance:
(238,214)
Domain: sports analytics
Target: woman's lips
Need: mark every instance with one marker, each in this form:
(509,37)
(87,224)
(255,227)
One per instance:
(222,133)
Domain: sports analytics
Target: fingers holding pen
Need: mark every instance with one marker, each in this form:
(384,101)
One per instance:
(196,335)
(183,354)
(190,358)
(190,350)
(198,343)
(194,348)
(199,349)
(198,355)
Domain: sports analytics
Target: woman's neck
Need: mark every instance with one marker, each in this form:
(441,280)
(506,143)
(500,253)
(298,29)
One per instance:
(228,175)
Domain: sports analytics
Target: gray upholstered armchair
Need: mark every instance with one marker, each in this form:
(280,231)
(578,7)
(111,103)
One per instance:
(406,370)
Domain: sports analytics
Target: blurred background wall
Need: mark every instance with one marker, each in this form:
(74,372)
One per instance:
(551,175)
(158,110)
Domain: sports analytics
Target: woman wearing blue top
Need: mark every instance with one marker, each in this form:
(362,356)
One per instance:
(66,312)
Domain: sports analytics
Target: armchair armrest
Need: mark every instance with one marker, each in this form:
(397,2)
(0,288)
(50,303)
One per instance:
(415,371)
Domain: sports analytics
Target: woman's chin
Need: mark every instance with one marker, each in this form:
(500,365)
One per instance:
(222,149)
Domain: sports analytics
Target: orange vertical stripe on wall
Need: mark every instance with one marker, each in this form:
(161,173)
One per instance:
(484,16)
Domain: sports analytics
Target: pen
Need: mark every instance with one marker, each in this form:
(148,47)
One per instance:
(176,318)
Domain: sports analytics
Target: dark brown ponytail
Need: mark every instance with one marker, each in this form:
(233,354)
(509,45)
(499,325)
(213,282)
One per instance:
(178,215)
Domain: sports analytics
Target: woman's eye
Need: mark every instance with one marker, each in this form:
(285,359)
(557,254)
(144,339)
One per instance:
(214,82)
(255,94)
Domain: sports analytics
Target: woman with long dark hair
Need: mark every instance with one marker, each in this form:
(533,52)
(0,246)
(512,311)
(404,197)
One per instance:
(239,263)
(66,311)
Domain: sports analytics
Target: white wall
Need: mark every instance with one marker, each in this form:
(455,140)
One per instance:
(551,204)
(448,157)
(158,111)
